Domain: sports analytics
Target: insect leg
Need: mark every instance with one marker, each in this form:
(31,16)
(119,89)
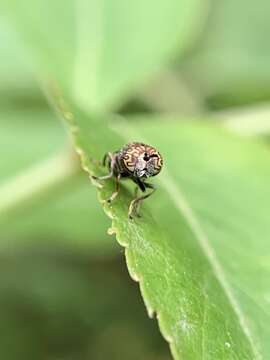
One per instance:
(136,208)
(117,188)
(133,207)
(107,156)
(140,186)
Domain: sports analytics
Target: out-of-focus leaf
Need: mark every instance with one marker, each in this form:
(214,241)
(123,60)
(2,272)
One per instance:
(67,216)
(27,137)
(232,62)
(248,121)
(103,49)
(14,69)
(60,305)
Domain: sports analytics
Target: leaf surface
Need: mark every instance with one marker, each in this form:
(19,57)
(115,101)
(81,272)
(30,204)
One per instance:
(195,251)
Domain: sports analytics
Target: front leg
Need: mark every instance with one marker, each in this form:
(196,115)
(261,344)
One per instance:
(117,188)
(111,162)
(134,205)
(108,156)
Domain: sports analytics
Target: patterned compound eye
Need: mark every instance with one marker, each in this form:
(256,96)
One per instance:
(141,160)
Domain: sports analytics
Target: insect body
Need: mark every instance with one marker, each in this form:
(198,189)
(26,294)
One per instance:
(136,161)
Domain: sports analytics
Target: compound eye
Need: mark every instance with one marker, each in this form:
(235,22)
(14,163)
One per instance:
(146,157)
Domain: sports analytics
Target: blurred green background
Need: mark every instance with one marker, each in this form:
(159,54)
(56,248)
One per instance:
(64,289)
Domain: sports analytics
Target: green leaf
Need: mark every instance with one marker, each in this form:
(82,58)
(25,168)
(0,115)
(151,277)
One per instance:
(62,217)
(71,309)
(102,50)
(199,251)
(232,60)
(201,244)
(14,69)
